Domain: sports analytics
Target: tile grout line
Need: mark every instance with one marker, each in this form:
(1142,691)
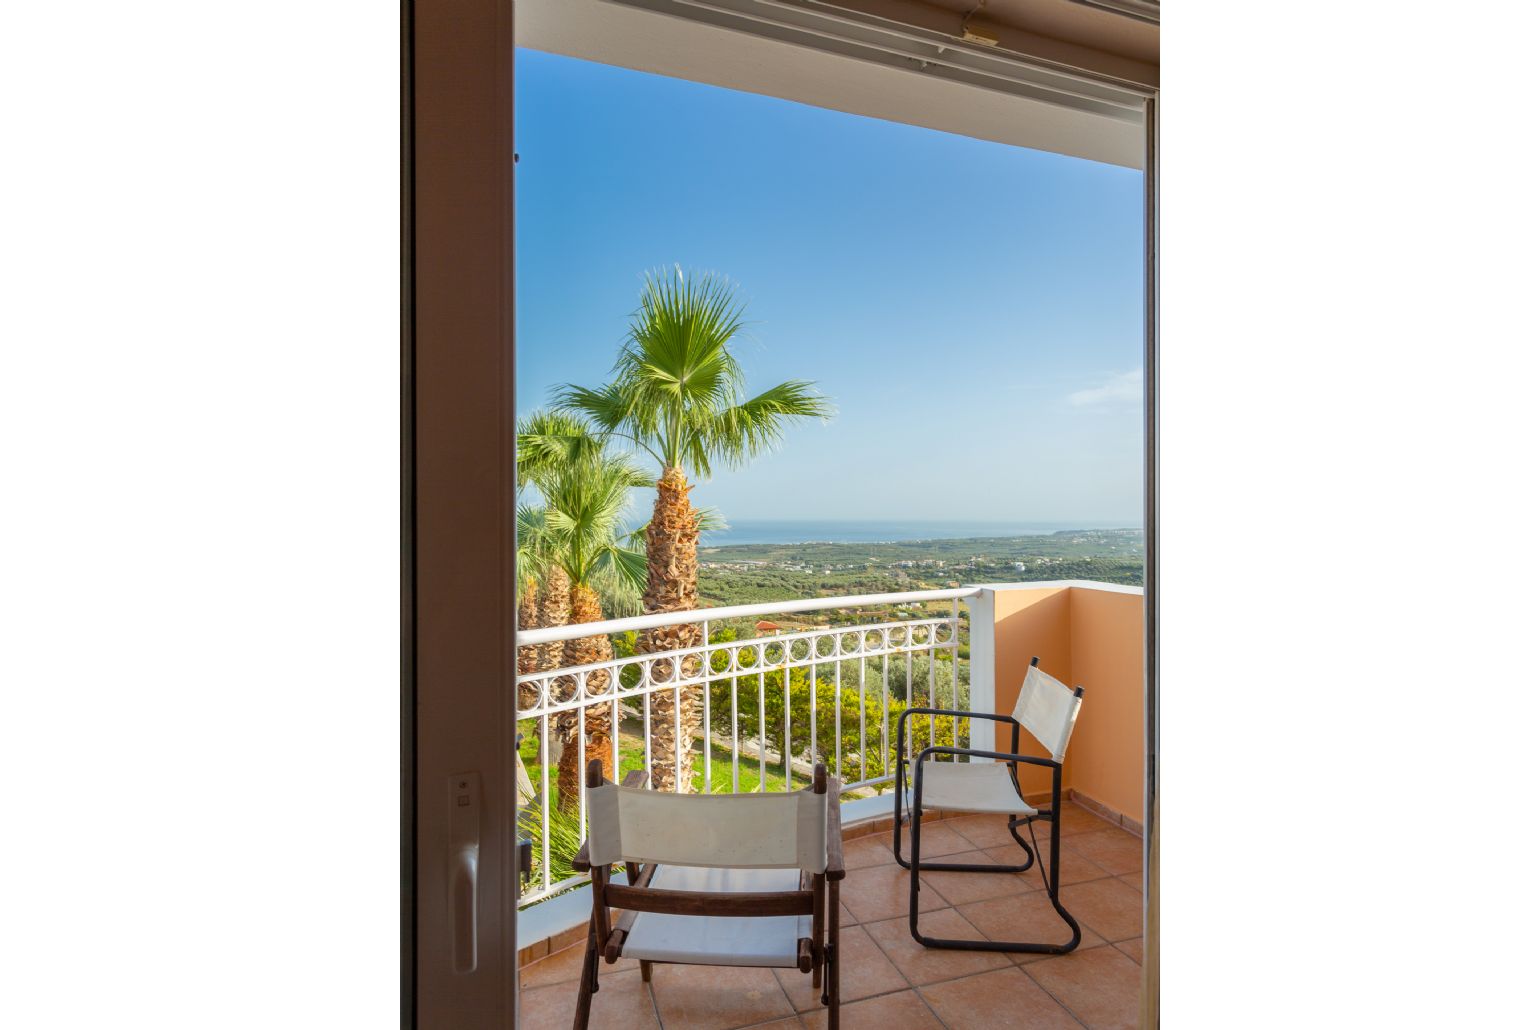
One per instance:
(657,1013)
(882,953)
(988,972)
(1056,999)
(769,1022)
(1044,987)
(1105,941)
(1021,968)
(908,988)
(909,985)
(930,1008)
(787,996)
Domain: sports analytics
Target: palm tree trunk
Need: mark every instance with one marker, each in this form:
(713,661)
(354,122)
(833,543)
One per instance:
(555,609)
(597,724)
(672,572)
(529,618)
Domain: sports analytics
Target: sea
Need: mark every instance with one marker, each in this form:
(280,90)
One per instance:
(851,531)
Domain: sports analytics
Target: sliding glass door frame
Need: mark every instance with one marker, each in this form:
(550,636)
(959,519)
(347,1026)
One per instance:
(459,942)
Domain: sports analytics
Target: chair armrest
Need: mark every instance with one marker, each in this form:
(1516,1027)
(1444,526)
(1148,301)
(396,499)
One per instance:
(580,860)
(834,869)
(1002,756)
(954,712)
(636,778)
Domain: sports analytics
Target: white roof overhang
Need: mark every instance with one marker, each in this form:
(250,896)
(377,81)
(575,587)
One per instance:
(1072,101)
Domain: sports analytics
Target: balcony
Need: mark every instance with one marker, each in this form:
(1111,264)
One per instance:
(787,684)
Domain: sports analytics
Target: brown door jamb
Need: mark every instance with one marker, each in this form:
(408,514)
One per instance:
(457,510)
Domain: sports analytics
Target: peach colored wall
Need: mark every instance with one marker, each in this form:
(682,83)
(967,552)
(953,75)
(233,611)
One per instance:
(1106,756)
(1027,623)
(1084,637)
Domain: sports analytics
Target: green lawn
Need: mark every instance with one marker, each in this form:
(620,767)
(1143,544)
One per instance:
(750,769)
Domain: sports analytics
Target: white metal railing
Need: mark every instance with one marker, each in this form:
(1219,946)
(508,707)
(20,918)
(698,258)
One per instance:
(832,668)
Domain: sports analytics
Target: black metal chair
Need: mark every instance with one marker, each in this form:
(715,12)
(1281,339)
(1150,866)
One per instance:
(1047,708)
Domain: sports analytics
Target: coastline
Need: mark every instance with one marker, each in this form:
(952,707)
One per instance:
(788,533)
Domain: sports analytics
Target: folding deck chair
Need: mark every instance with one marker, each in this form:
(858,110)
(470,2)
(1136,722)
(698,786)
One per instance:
(1047,708)
(715,880)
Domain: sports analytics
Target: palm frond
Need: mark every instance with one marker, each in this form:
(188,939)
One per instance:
(532,554)
(677,390)
(617,409)
(753,427)
(678,340)
(586,506)
(629,566)
(548,441)
(707,520)
(605,407)
(619,596)
(710,520)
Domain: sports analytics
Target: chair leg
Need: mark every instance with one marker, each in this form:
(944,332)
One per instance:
(1025,820)
(831,981)
(646,972)
(967,867)
(588,983)
(913,867)
(1051,883)
(1052,886)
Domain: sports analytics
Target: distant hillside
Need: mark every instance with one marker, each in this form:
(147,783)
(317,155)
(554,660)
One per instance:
(747,573)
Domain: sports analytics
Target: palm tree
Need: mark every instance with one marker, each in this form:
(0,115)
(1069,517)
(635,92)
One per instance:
(532,565)
(584,509)
(677,394)
(532,562)
(547,442)
(580,539)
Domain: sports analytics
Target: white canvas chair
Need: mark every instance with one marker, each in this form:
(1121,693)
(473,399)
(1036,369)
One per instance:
(715,880)
(1047,708)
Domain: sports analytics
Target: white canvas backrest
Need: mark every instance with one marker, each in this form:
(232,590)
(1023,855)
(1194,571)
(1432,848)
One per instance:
(1047,708)
(730,831)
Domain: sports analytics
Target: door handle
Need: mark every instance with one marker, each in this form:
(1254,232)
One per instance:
(464,856)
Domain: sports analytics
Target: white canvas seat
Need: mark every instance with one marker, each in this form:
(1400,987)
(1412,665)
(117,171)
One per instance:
(719,831)
(713,880)
(983,787)
(728,940)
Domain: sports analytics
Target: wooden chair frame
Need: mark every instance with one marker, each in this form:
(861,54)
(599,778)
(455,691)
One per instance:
(817,895)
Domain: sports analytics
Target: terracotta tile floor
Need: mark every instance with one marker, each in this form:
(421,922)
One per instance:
(888,982)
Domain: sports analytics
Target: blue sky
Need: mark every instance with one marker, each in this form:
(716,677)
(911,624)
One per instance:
(972,309)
